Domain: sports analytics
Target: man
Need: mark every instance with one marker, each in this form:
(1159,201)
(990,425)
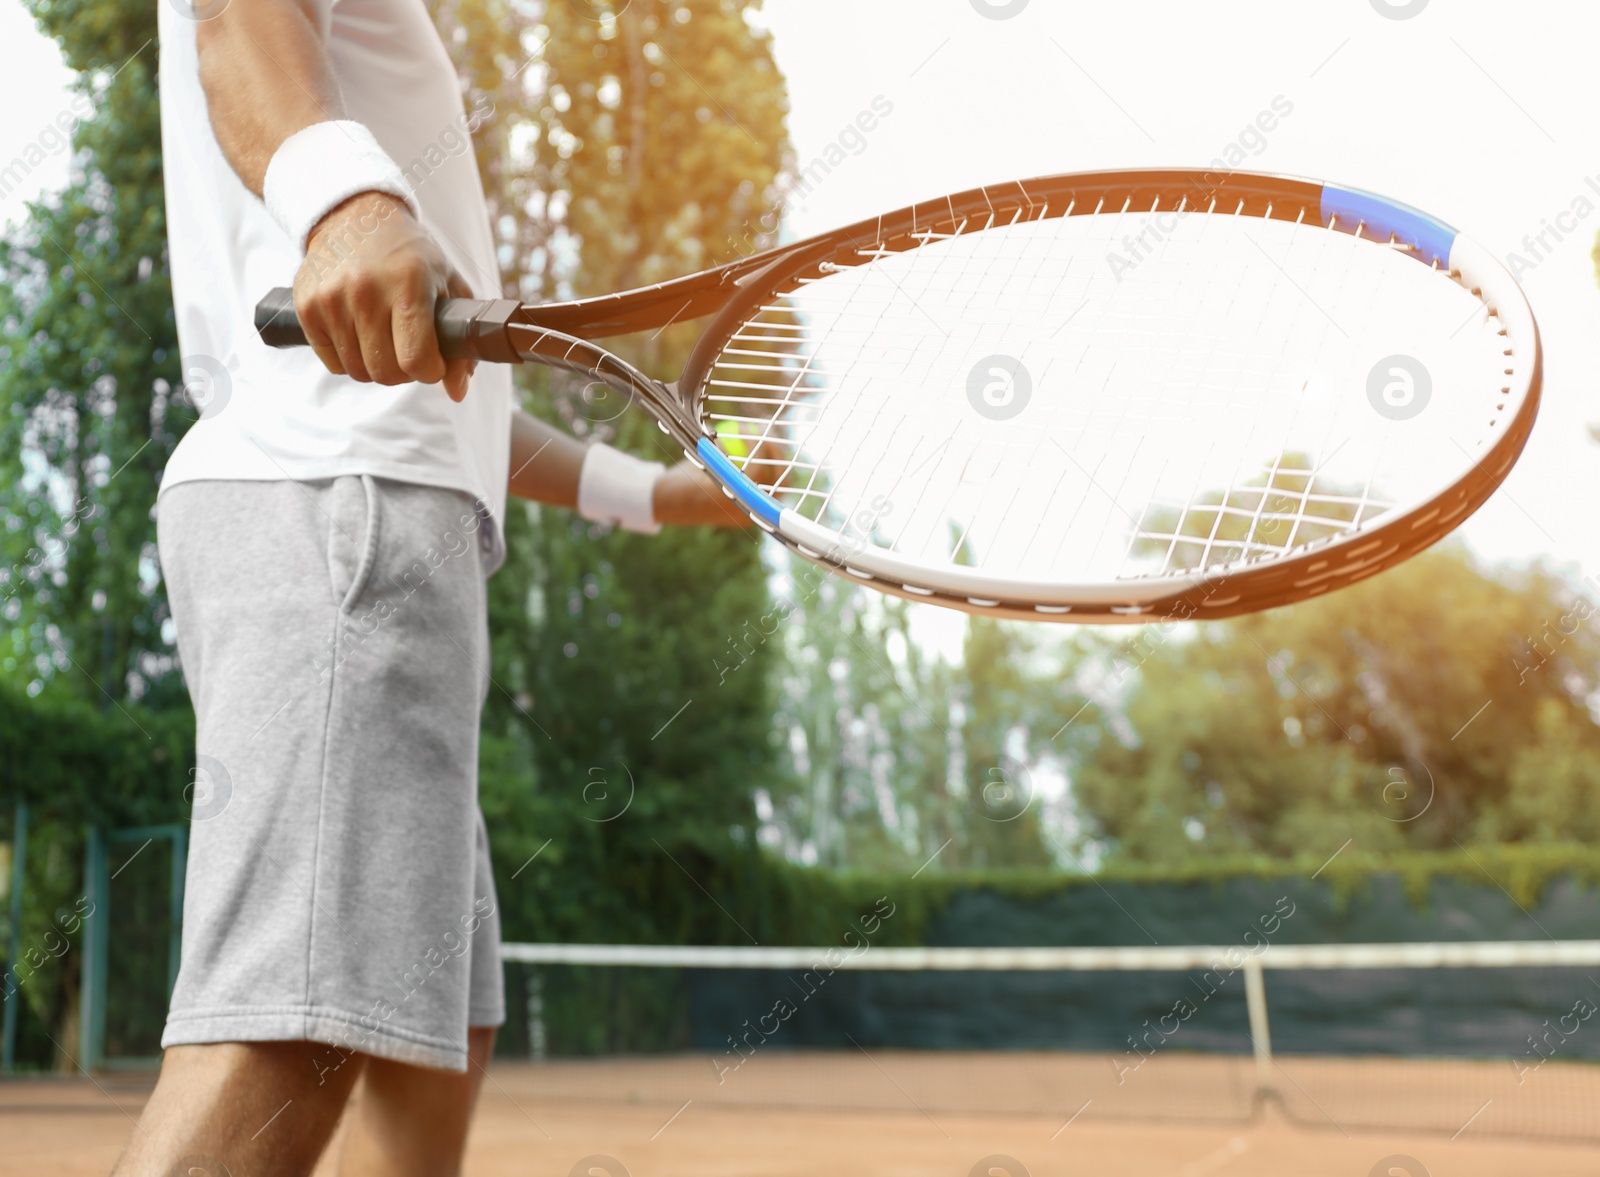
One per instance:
(325,531)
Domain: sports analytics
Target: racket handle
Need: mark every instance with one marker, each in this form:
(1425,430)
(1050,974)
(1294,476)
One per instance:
(472,328)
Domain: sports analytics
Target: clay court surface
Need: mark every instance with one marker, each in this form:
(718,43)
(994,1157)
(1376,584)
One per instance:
(895,1115)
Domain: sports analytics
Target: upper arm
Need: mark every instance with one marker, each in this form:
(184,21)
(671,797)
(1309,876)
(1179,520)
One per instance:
(314,15)
(266,74)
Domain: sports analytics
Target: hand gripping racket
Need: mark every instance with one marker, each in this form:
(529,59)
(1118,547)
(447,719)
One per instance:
(1101,397)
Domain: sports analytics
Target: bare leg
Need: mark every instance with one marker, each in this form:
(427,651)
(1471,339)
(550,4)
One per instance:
(258,1107)
(411,1121)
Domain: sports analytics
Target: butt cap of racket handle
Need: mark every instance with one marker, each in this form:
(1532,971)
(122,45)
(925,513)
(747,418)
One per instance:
(276,322)
(468,327)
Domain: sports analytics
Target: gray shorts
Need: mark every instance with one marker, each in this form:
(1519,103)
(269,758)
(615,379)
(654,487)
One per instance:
(334,639)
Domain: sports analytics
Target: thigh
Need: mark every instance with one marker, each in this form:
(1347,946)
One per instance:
(256,1107)
(410,1121)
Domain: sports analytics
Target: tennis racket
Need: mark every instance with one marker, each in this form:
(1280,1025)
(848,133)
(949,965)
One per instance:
(1101,397)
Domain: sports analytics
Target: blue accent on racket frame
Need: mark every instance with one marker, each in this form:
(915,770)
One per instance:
(757,501)
(1382,217)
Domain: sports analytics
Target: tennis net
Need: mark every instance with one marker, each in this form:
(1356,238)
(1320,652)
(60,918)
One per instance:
(1464,1039)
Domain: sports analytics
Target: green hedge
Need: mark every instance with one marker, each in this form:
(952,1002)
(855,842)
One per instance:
(78,764)
(817,906)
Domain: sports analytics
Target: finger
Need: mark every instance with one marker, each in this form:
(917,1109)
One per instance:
(416,341)
(370,301)
(342,336)
(458,377)
(458,372)
(324,319)
(332,319)
(321,343)
(309,312)
(329,357)
(377,352)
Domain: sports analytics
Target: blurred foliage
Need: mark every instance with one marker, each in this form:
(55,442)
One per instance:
(1431,706)
(1442,704)
(898,758)
(75,765)
(137,955)
(1281,506)
(94,722)
(88,368)
(629,144)
(1524,873)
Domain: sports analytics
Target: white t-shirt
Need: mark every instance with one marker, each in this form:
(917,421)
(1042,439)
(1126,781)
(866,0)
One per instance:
(279,414)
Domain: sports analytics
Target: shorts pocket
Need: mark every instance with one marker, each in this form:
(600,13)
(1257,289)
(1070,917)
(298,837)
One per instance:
(355,514)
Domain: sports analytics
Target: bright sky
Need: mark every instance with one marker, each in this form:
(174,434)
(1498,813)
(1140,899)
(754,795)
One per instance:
(1474,111)
(33,89)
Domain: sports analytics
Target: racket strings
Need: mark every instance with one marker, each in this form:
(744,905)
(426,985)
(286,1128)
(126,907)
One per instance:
(1196,388)
(1243,548)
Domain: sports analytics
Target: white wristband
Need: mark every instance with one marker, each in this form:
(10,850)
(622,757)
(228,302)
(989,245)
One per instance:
(322,166)
(614,487)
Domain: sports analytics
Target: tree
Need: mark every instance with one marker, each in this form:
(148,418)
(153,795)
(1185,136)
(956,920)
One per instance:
(900,761)
(633,142)
(1283,505)
(1553,786)
(630,143)
(90,383)
(1008,707)
(91,406)
(1434,704)
(622,165)
(867,721)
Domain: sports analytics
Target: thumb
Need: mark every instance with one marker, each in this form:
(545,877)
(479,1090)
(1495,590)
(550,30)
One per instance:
(458,377)
(458,371)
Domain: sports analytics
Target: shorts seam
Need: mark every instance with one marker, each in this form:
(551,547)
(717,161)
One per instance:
(322,802)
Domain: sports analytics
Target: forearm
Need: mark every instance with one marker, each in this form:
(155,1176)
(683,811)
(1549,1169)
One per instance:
(266,75)
(545,461)
(547,466)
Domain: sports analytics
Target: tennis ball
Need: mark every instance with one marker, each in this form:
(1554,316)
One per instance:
(728,437)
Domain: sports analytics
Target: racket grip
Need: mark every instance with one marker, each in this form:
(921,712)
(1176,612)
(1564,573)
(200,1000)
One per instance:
(470,328)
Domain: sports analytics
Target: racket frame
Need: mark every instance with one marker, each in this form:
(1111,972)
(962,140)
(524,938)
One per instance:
(1220,590)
